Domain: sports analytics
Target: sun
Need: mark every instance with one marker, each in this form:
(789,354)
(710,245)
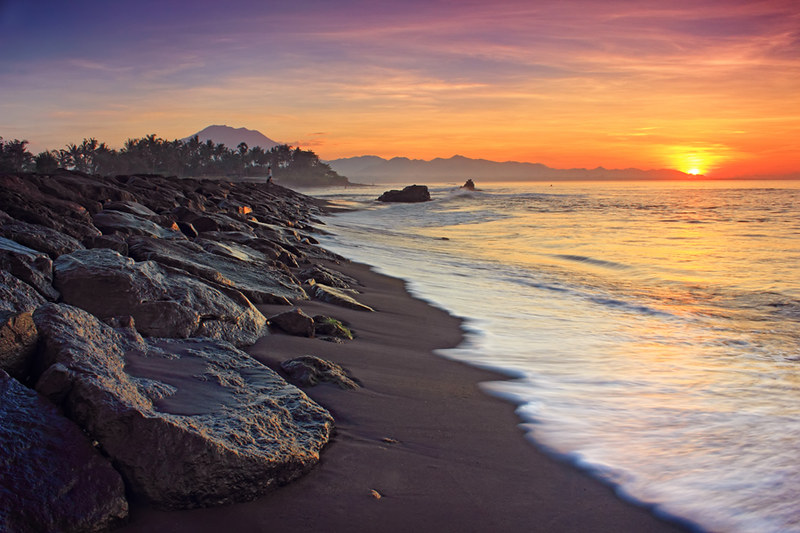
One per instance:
(694,171)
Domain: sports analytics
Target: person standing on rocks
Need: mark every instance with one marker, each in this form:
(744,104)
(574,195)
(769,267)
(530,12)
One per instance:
(269,175)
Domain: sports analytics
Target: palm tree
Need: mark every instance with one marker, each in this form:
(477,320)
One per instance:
(14,156)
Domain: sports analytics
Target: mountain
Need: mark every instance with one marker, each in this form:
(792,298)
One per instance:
(373,169)
(231,137)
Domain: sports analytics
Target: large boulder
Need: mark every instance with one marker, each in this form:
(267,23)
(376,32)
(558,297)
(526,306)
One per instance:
(51,477)
(33,200)
(40,238)
(165,302)
(188,423)
(32,267)
(410,194)
(235,265)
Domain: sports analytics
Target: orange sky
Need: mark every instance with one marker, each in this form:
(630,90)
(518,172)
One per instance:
(703,86)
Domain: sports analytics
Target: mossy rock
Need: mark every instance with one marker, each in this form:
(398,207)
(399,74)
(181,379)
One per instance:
(327,326)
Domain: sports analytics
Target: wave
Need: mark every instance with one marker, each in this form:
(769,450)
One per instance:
(592,261)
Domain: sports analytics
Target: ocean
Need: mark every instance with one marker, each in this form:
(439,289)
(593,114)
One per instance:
(649,330)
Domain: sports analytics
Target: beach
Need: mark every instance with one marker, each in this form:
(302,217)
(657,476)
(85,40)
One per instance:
(419,447)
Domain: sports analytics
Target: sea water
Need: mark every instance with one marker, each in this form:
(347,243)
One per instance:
(650,331)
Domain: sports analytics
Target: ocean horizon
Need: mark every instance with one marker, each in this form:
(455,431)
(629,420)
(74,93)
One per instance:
(648,329)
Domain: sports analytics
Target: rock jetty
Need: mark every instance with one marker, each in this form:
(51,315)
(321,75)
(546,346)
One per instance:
(124,304)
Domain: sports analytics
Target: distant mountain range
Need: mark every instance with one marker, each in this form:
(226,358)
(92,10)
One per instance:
(373,169)
(232,137)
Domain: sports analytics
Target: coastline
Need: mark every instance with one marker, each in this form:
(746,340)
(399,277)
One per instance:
(418,447)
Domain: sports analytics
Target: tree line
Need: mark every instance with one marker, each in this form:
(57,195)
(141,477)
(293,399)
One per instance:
(190,158)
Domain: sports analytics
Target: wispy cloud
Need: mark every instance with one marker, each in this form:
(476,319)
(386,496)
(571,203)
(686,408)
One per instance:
(493,79)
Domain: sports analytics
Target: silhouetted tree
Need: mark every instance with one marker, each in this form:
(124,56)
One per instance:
(14,156)
(46,162)
(190,158)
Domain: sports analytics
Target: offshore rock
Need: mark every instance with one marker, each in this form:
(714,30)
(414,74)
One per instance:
(164,302)
(231,264)
(309,370)
(294,322)
(338,297)
(52,478)
(32,267)
(189,423)
(410,194)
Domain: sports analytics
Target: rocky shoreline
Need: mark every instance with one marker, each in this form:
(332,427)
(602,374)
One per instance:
(125,304)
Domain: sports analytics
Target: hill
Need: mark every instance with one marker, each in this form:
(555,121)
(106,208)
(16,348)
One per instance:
(373,169)
(231,137)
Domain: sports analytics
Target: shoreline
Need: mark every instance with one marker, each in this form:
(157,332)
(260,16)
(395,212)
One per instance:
(419,447)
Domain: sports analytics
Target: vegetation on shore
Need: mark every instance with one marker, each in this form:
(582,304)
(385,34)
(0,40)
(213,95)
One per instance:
(191,158)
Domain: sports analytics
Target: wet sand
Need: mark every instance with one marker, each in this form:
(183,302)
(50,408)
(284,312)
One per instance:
(418,448)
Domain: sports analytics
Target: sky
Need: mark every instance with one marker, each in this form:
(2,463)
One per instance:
(701,86)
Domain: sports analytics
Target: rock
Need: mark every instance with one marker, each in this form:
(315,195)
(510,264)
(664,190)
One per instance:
(18,338)
(231,264)
(294,322)
(235,207)
(16,296)
(189,423)
(217,222)
(18,335)
(133,208)
(51,478)
(37,200)
(32,267)
(40,238)
(164,302)
(326,276)
(410,194)
(309,370)
(187,229)
(112,242)
(337,297)
(109,221)
(327,326)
